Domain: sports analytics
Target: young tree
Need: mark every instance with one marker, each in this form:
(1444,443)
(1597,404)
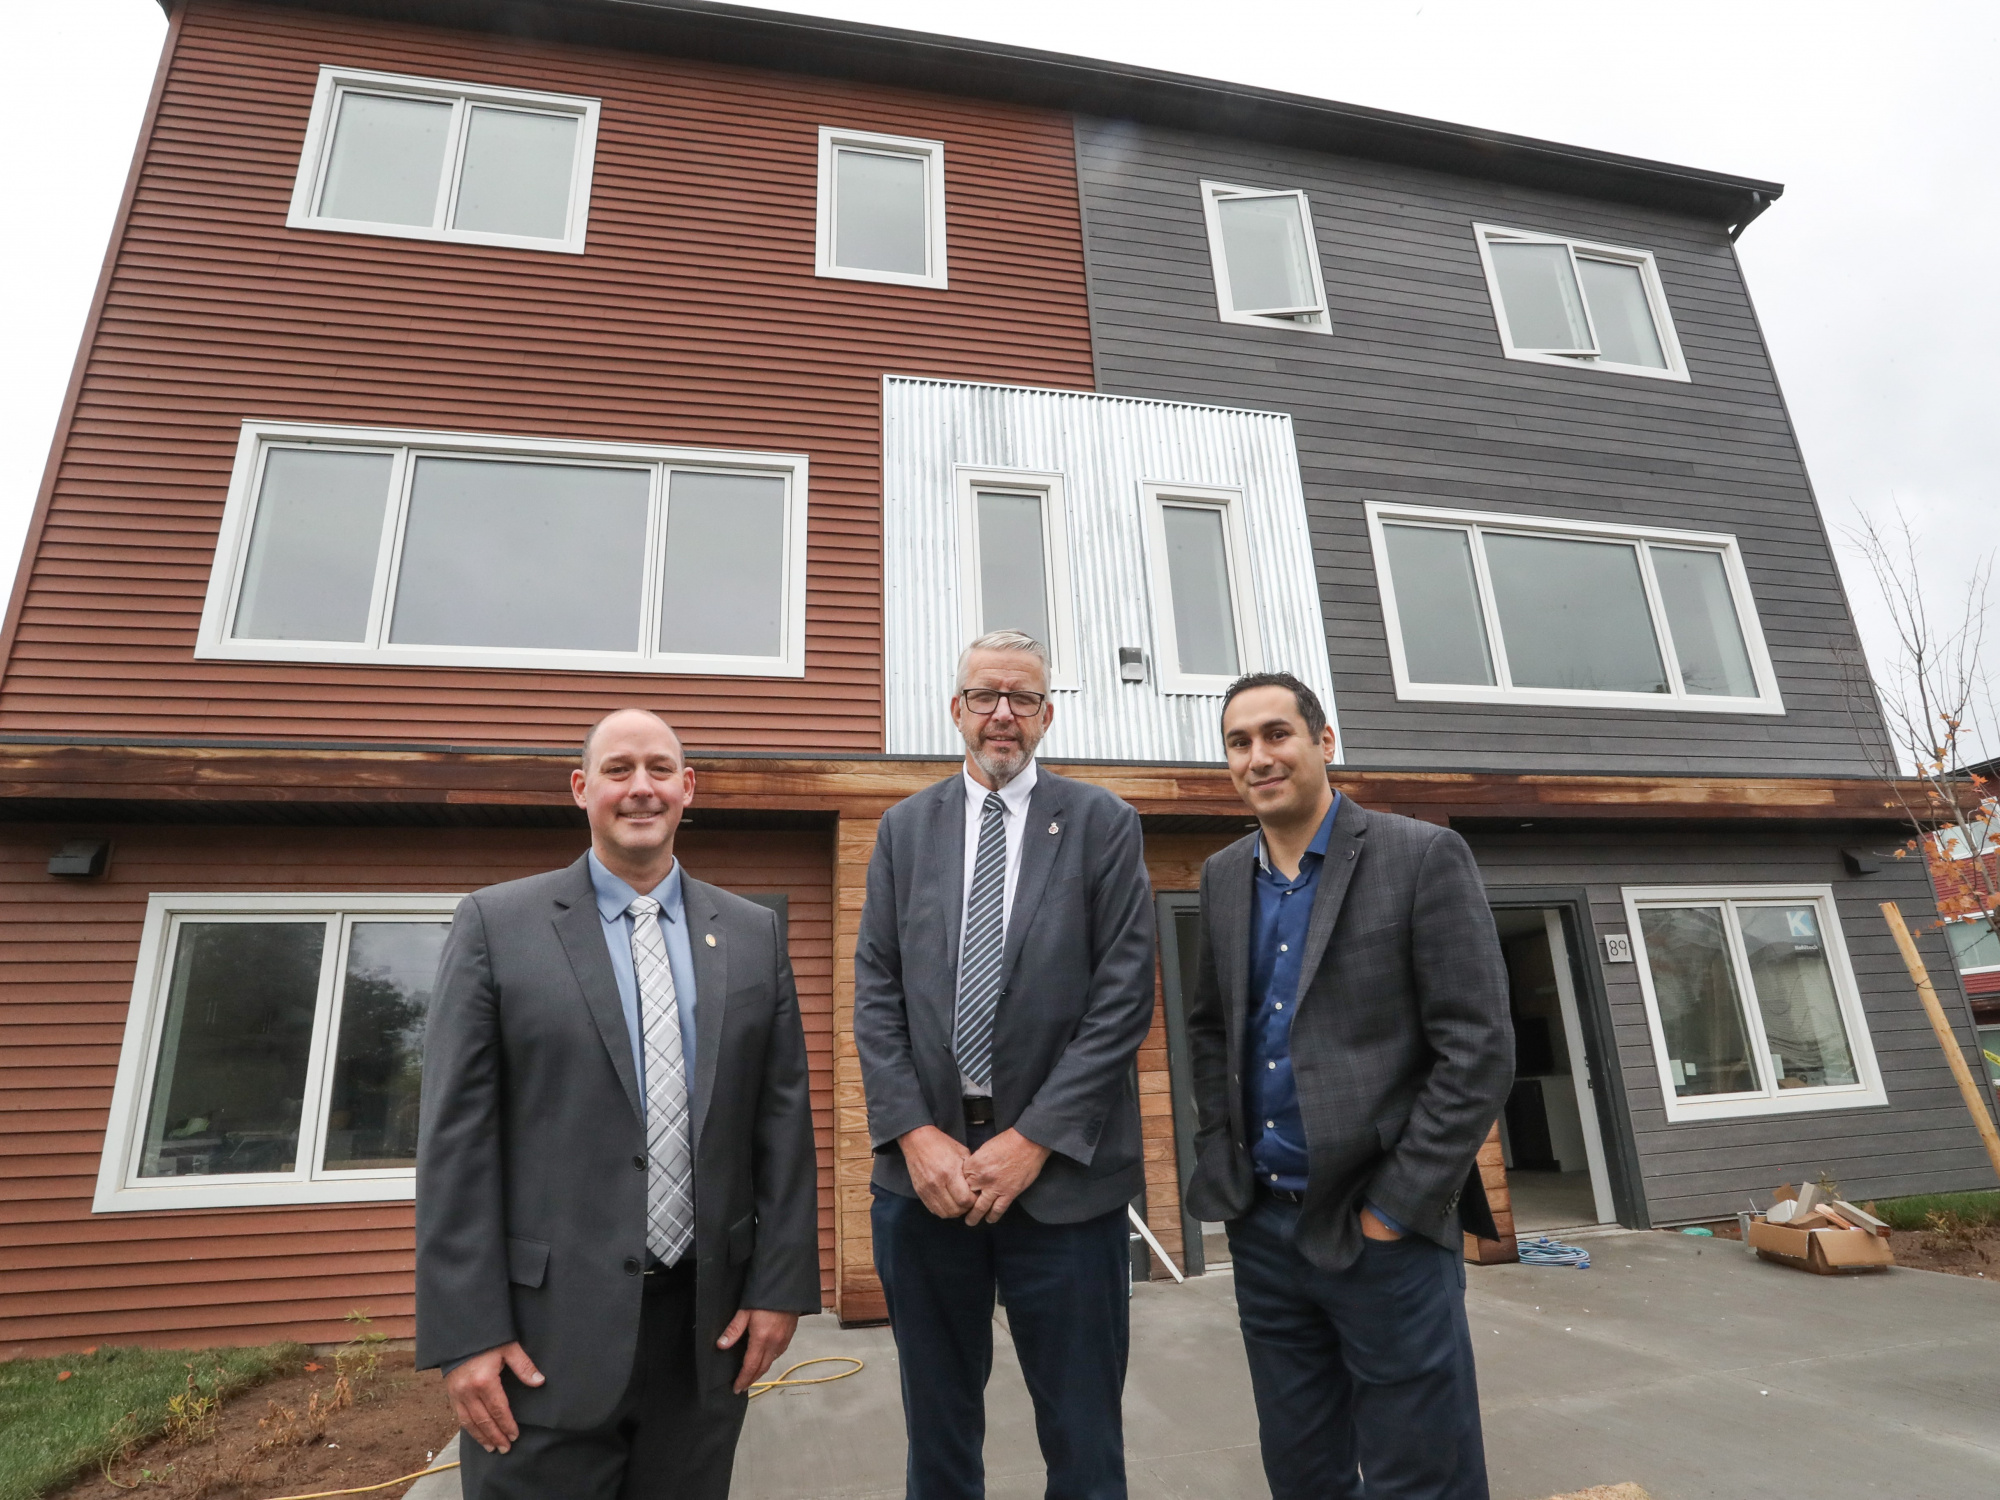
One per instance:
(1939,713)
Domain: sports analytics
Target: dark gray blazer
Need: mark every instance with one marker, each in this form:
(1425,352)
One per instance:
(531,1180)
(1076,996)
(1402,1045)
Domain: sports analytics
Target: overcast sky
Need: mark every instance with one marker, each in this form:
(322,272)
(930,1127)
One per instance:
(1873,275)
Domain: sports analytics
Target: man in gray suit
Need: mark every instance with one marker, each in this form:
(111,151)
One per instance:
(1351,1048)
(616,1225)
(1003,981)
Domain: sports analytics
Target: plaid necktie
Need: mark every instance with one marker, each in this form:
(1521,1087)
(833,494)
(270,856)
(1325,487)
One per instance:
(985,937)
(669,1156)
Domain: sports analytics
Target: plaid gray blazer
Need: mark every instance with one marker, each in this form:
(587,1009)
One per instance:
(1402,1046)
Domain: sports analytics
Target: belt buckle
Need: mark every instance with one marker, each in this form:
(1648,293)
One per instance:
(978,1110)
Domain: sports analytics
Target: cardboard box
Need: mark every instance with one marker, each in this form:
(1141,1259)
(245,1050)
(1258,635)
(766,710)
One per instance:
(1824,1252)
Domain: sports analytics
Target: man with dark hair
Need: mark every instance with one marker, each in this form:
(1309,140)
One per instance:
(1351,1048)
(616,1217)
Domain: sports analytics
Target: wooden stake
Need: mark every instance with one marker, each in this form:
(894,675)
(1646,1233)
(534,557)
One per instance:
(1975,1100)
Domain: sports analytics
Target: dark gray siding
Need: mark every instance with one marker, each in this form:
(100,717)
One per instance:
(1410,399)
(1924,1141)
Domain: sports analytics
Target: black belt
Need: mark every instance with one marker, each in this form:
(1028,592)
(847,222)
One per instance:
(978,1111)
(1283,1195)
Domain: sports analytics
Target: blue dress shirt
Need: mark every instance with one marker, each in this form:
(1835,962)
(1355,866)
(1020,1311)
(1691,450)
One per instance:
(1280,913)
(613,897)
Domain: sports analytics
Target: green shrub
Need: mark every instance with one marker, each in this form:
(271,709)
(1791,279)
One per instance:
(1980,1208)
(55,1425)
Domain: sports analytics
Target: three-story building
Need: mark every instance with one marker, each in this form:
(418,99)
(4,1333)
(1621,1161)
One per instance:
(460,372)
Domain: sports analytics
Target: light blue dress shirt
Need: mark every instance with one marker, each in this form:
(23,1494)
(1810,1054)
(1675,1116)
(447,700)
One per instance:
(613,897)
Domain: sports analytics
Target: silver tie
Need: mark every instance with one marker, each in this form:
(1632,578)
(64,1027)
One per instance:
(985,941)
(669,1155)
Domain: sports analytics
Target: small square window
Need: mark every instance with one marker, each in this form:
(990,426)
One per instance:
(1569,302)
(450,549)
(1532,610)
(1974,944)
(1013,547)
(881,208)
(1266,260)
(424,159)
(273,1051)
(1751,1001)
(1204,609)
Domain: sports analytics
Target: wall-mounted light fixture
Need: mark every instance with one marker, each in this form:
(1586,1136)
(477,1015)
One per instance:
(1131,664)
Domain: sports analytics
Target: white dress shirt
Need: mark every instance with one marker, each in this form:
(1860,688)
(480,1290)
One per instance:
(1014,803)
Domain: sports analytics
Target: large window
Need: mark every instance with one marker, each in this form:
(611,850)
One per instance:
(881,208)
(1530,610)
(1752,1001)
(1266,261)
(273,1051)
(1014,555)
(1204,612)
(1568,302)
(444,549)
(425,159)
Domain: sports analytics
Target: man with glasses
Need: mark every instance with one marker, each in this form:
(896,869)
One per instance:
(1003,984)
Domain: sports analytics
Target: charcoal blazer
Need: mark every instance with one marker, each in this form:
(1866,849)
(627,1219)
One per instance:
(1076,997)
(531,1154)
(1402,1045)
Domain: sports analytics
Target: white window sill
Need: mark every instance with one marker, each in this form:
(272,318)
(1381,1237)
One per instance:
(1571,362)
(165,1194)
(445,236)
(1684,703)
(505,659)
(1784,1102)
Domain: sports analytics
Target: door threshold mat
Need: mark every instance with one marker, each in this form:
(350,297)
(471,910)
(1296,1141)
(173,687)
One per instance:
(1606,1492)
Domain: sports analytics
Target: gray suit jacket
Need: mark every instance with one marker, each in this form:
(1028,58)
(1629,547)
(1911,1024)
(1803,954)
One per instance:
(1402,1044)
(531,1158)
(1076,996)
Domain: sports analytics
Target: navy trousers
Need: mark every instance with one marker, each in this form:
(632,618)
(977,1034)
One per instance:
(1065,1288)
(1363,1378)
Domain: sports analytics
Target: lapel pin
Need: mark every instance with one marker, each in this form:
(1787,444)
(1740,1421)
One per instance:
(711,939)
(1055,828)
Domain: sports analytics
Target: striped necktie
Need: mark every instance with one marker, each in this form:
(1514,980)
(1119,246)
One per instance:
(985,937)
(669,1157)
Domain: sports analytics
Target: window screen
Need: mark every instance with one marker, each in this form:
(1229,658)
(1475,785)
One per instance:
(723,592)
(1198,576)
(1013,565)
(310,572)
(880,222)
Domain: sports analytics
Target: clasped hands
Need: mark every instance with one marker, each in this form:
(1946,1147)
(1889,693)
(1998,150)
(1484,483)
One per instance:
(976,1186)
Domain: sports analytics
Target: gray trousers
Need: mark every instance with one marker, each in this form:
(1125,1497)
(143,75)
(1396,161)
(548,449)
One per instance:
(661,1442)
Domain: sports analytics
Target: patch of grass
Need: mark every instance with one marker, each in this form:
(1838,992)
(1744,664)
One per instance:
(61,1416)
(1971,1209)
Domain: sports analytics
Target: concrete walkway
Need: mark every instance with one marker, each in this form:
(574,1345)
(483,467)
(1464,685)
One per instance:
(1684,1365)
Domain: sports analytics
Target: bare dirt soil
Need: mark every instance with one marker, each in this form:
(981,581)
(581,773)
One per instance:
(1972,1252)
(294,1435)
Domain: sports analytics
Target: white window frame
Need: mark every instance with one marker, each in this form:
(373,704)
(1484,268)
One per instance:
(333,82)
(932,155)
(1974,839)
(1649,274)
(1154,496)
(1679,700)
(214,641)
(1307,319)
(119,1188)
(1770,1100)
(969,483)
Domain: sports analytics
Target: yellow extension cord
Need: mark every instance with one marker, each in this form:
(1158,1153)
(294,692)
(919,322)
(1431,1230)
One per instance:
(757,1389)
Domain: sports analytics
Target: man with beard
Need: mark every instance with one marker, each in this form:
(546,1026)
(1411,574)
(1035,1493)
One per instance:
(1003,984)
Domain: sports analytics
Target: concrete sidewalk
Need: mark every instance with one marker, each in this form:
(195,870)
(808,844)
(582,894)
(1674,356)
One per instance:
(1682,1364)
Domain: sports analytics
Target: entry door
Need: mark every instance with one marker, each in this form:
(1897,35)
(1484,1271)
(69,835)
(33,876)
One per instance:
(1552,1123)
(1180,931)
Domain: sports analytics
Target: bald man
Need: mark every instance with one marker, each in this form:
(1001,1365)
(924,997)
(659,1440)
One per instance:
(616,1225)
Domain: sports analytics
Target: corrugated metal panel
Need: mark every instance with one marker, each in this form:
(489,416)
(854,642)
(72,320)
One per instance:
(70,1277)
(695,318)
(1105,447)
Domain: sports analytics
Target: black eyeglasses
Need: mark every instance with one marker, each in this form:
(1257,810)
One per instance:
(985,700)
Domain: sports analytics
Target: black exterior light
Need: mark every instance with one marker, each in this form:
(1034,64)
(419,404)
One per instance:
(84,858)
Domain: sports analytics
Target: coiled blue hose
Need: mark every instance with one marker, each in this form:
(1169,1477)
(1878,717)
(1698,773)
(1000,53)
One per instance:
(1543,1251)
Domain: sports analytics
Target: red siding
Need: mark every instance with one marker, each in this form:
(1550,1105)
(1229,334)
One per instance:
(694,318)
(67,951)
